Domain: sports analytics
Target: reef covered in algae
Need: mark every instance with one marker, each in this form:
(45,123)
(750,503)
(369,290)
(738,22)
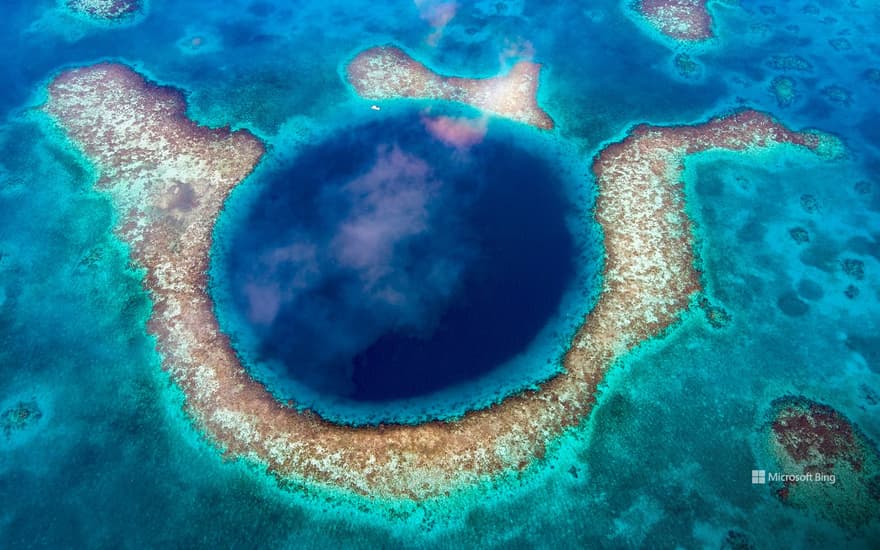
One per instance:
(829,466)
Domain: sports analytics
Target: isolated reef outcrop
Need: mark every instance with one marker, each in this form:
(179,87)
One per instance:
(832,468)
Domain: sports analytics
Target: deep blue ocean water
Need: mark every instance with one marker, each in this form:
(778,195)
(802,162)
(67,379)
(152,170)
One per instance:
(385,275)
(664,461)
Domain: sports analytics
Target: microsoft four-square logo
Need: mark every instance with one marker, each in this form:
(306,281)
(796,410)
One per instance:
(759,477)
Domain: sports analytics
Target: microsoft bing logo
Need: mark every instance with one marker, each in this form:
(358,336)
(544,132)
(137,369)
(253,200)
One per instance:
(759,477)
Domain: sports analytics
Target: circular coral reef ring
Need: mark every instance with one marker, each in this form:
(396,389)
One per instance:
(168,179)
(106,11)
(407,266)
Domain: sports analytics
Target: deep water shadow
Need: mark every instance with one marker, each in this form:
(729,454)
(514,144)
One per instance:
(399,258)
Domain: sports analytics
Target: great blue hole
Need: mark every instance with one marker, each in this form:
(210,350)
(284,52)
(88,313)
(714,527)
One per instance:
(396,271)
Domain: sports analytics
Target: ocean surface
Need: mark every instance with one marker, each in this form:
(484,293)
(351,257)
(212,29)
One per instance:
(482,291)
(442,290)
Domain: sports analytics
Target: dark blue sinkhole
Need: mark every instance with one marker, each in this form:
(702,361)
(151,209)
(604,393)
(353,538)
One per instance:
(403,270)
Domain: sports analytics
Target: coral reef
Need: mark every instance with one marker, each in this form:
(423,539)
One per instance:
(717,316)
(168,179)
(809,203)
(19,417)
(388,72)
(681,20)
(686,66)
(831,468)
(737,540)
(855,269)
(837,94)
(840,44)
(784,90)
(105,10)
(799,235)
(789,63)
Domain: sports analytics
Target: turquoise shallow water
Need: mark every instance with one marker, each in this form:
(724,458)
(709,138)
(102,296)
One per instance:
(112,461)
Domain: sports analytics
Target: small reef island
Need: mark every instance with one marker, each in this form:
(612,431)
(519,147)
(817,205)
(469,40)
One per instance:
(168,179)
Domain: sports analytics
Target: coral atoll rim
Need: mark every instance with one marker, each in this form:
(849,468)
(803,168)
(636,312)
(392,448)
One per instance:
(168,179)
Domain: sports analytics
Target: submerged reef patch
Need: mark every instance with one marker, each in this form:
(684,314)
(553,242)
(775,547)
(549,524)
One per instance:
(717,316)
(686,66)
(837,94)
(784,89)
(681,20)
(826,464)
(388,72)
(168,179)
(789,62)
(20,417)
(799,235)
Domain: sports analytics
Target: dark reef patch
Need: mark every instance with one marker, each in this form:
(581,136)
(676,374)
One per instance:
(809,203)
(840,44)
(397,259)
(19,417)
(789,63)
(853,268)
(717,316)
(686,66)
(737,540)
(784,89)
(799,235)
(837,94)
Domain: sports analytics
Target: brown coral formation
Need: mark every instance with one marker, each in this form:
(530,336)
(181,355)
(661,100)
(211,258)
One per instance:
(834,470)
(388,72)
(682,20)
(168,179)
(105,10)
